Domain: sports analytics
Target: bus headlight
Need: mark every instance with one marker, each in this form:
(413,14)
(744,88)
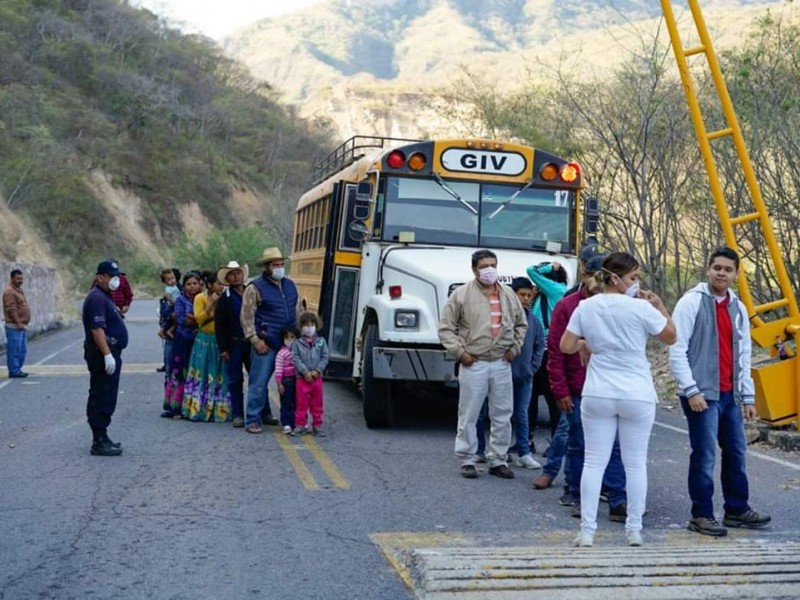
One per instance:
(405,319)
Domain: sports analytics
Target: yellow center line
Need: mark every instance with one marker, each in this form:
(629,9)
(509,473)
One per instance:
(305,476)
(327,464)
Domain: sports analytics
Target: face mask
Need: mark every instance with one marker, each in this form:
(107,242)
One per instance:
(113,283)
(309,331)
(288,342)
(278,273)
(487,275)
(172,290)
(632,290)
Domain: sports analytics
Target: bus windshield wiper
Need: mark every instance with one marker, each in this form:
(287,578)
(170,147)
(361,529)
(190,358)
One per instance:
(510,199)
(453,193)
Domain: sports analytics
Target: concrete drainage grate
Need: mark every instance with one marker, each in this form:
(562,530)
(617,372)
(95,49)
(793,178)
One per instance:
(664,572)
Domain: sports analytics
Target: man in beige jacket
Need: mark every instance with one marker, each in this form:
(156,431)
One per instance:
(483,324)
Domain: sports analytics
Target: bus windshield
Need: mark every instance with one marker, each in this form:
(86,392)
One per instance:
(428,213)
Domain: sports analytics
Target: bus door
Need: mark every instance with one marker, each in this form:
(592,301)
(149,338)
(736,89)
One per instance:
(342,271)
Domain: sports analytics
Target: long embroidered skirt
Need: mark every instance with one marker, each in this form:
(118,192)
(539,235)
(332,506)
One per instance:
(206,396)
(174,387)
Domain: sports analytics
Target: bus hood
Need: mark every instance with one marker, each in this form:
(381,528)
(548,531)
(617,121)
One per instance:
(445,268)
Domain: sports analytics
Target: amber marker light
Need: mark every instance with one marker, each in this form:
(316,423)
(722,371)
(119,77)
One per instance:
(417,161)
(396,159)
(549,172)
(570,172)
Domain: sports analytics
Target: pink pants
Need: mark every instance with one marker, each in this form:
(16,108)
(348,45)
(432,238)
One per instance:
(309,397)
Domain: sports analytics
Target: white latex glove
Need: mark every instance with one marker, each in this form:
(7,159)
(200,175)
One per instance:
(111,364)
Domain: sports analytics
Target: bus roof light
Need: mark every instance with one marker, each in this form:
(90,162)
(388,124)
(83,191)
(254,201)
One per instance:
(570,172)
(549,171)
(395,291)
(417,161)
(396,159)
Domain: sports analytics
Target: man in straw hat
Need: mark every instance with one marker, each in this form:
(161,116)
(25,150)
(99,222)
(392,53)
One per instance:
(234,348)
(269,305)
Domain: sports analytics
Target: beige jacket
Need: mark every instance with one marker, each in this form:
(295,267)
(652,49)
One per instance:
(466,323)
(16,311)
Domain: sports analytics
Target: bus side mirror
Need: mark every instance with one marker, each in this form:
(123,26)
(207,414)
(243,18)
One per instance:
(591,215)
(364,192)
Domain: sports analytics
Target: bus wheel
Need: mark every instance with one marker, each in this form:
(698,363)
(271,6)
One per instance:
(376,393)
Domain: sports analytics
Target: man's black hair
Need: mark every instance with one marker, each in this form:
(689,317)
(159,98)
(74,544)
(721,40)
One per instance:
(724,252)
(479,254)
(521,283)
(16,272)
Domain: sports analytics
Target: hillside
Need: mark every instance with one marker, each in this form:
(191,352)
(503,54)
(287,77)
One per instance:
(371,66)
(119,135)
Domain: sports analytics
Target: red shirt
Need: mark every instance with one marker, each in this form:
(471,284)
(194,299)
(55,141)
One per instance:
(725,341)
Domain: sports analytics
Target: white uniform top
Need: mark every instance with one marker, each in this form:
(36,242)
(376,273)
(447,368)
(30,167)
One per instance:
(616,328)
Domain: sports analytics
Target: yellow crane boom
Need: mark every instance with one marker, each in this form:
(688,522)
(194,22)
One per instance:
(777,393)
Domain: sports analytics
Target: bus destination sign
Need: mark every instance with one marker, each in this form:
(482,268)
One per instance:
(461,160)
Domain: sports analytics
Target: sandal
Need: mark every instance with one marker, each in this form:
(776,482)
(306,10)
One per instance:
(253,428)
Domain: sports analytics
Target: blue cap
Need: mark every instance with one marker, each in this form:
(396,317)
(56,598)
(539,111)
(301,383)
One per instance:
(108,267)
(594,264)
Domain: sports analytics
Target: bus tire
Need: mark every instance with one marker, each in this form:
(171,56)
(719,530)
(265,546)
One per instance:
(376,393)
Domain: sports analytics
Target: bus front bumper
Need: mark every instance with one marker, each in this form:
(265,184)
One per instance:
(411,364)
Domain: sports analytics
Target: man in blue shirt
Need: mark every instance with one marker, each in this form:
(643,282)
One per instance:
(105,338)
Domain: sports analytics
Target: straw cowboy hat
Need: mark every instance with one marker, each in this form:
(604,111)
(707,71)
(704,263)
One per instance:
(269,255)
(232,266)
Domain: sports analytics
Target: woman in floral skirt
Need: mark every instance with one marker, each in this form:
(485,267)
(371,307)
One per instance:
(206,396)
(185,333)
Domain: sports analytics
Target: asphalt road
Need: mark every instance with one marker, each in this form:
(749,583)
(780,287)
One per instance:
(193,510)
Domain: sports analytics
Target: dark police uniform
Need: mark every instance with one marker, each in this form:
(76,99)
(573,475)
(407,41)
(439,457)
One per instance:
(99,312)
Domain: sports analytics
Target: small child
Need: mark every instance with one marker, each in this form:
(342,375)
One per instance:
(166,315)
(310,357)
(285,378)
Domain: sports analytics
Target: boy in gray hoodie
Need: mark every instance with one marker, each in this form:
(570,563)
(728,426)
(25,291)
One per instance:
(711,362)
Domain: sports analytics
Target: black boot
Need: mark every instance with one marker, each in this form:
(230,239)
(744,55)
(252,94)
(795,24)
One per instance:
(103,446)
(105,438)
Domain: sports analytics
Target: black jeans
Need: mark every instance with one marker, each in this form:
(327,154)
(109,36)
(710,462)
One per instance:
(103,390)
(541,387)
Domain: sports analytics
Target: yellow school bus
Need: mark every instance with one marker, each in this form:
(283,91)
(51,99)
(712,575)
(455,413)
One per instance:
(386,233)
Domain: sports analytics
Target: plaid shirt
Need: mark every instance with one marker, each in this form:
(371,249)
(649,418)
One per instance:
(123,295)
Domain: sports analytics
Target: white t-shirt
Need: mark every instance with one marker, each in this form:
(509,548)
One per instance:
(616,328)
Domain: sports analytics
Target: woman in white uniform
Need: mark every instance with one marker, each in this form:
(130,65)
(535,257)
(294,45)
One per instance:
(611,330)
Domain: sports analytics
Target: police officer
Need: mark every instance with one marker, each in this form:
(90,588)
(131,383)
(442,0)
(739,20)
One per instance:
(106,337)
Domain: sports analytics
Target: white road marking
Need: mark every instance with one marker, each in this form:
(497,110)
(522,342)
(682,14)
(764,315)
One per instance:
(755,453)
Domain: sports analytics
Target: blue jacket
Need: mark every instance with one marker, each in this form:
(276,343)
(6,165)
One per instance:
(276,310)
(529,359)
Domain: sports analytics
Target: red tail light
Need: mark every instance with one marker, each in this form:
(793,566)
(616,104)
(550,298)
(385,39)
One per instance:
(396,159)
(395,292)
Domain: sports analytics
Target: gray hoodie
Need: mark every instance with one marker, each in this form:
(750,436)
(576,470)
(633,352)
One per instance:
(694,358)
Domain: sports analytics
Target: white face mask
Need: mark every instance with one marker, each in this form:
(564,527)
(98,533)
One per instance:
(309,331)
(487,275)
(633,289)
(278,273)
(113,283)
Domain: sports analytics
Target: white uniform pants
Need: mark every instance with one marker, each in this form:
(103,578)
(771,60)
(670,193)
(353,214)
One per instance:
(602,418)
(476,382)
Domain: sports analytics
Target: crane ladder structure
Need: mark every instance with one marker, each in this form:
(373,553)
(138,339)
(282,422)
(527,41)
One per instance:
(777,391)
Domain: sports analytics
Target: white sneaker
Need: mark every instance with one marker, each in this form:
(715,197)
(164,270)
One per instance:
(287,429)
(584,539)
(528,462)
(634,538)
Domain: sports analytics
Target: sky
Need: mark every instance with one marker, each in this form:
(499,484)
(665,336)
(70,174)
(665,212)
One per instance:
(218,18)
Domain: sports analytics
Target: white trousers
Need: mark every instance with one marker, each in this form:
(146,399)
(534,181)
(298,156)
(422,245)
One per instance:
(476,382)
(602,419)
